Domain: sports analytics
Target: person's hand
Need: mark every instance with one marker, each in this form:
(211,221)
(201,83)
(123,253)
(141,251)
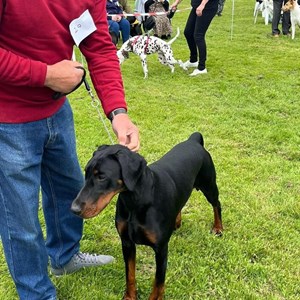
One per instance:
(116,18)
(174,5)
(199,10)
(126,132)
(63,76)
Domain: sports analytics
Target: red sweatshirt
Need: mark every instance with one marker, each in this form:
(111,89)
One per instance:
(34,34)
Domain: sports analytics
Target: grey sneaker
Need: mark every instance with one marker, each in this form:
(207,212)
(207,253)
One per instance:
(82,260)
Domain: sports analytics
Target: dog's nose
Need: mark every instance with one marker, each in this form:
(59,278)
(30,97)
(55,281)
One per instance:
(76,207)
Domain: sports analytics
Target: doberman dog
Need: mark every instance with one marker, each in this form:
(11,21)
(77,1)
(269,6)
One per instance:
(150,199)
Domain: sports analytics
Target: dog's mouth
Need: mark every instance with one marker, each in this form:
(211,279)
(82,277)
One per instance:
(91,210)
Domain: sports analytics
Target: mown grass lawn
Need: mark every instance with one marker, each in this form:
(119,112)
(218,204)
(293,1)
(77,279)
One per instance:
(247,108)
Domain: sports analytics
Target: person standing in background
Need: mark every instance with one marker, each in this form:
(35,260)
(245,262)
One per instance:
(286,21)
(200,17)
(37,136)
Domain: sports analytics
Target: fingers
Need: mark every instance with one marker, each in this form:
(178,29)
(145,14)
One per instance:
(63,76)
(133,142)
(126,132)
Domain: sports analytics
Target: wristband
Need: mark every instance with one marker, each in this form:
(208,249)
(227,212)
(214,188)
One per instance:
(116,112)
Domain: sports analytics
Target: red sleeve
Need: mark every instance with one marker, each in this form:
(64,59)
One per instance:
(103,64)
(16,70)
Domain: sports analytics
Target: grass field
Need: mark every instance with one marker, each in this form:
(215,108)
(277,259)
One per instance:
(247,108)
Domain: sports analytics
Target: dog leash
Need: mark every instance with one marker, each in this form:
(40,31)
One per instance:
(58,95)
(94,103)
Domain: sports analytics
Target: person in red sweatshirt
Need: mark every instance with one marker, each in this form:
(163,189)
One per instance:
(37,140)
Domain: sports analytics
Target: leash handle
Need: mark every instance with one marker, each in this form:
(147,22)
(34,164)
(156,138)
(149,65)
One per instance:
(171,13)
(58,95)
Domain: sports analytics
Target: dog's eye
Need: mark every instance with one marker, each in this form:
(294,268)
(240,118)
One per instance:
(98,176)
(101,177)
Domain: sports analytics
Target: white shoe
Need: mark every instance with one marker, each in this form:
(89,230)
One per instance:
(189,64)
(197,72)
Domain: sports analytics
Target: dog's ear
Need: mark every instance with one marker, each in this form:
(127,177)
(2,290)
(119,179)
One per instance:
(100,148)
(132,167)
(98,152)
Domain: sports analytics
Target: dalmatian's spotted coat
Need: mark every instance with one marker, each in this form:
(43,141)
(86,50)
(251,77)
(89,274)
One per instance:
(143,45)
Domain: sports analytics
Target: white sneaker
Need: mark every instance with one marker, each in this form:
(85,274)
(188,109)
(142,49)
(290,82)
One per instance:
(197,72)
(189,64)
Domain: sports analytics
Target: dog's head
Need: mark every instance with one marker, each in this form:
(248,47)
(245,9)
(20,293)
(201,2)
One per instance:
(289,5)
(123,53)
(111,170)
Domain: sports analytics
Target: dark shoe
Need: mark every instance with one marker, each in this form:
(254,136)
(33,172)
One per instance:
(82,260)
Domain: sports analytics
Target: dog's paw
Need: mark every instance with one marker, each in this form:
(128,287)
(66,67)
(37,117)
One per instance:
(181,64)
(217,231)
(130,295)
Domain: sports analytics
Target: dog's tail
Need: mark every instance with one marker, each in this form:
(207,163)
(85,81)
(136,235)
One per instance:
(197,136)
(175,37)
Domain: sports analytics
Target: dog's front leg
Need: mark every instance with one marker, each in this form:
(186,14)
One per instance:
(181,64)
(293,30)
(144,65)
(161,258)
(129,255)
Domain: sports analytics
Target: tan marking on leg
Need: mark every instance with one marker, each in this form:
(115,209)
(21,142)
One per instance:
(218,227)
(157,292)
(178,221)
(131,293)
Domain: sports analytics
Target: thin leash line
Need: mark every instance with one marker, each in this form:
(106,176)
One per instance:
(137,14)
(94,101)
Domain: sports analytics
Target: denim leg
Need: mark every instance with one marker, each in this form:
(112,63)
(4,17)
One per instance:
(114,27)
(125,29)
(21,150)
(61,181)
(38,154)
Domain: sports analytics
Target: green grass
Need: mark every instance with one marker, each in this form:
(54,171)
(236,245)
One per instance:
(247,108)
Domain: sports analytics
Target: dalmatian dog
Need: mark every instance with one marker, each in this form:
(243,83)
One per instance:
(143,45)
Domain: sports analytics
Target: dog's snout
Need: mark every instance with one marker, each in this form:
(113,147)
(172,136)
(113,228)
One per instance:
(76,207)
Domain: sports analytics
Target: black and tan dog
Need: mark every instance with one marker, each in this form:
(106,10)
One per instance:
(150,199)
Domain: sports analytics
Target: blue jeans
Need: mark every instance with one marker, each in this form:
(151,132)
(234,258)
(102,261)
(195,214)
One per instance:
(123,26)
(36,155)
